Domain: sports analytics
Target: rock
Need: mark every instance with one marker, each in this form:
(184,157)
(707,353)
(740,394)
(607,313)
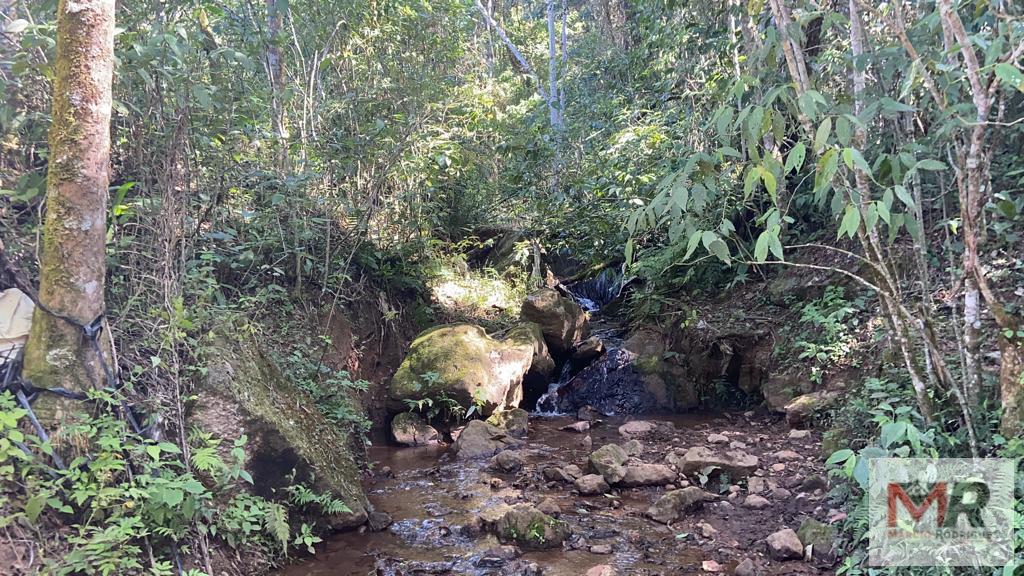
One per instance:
(647,475)
(550,507)
(784,545)
(244,393)
(812,483)
(573,470)
(781,389)
(616,384)
(745,568)
(778,467)
(529,528)
(674,504)
(756,485)
(756,502)
(580,427)
(781,494)
(409,429)
(588,350)
(636,428)
(508,461)
(462,363)
(737,445)
(516,422)
(601,570)
(556,474)
(378,521)
(832,441)
(608,461)
(800,410)
(818,535)
(601,549)
(588,413)
(787,456)
(711,566)
(479,439)
(718,439)
(530,334)
(633,448)
(736,464)
(561,320)
(496,556)
(592,485)
(799,434)
(706,530)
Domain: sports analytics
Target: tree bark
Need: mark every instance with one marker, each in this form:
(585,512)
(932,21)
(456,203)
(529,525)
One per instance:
(73,263)
(275,72)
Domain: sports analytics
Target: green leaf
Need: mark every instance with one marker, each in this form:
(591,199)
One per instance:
(708,238)
(153,451)
(839,456)
(1011,75)
(795,159)
(904,196)
(15,26)
(769,182)
(691,246)
(853,159)
(750,181)
(35,505)
(930,165)
(629,251)
(761,247)
(821,136)
(719,249)
(851,221)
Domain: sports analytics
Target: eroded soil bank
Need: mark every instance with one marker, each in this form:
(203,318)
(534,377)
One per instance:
(435,502)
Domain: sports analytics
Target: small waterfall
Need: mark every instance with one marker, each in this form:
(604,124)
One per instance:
(594,293)
(547,404)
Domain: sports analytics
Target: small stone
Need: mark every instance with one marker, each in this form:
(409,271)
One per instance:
(591,485)
(779,467)
(386,472)
(799,434)
(787,456)
(756,502)
(784,545)
(737,445)
(508,461)
(588,413)
(601,549)
(756,485)
(608,461)
(745,568)
(818,535)
(573,470)
(578,427)
(497,483)
(633,447)
(409,429)
(647,475)
(711,566)
(601,570)
(635,429)
(734,488)
(718,439)
(781,494)
(670,487)
(550,507)
(556,474)
(378,521)
(706,530)
(673,504)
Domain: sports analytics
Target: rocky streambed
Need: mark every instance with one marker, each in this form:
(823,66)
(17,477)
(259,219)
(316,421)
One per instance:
(733,493)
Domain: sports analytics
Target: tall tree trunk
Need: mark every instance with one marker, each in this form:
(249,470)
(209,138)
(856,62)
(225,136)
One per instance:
(275,72)
(73,264)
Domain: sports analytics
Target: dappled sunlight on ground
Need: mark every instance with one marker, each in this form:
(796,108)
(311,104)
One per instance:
(478,296)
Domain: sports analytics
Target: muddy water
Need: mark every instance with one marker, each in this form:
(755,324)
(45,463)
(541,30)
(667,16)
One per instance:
(431,499)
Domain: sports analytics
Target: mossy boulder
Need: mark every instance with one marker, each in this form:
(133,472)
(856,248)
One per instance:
(819,536)
(561,320)
(530,334)
(409,429)
(245,393)
(780,389)
(462,363)
(516,422)
(529,528)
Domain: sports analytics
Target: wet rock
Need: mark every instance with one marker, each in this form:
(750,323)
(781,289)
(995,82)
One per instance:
(591,485)
(479,439)
(497,556)
(647,475)
(529,528)
(674,504)
(556,474)
(614,384)
(588,413)
(636,429)
(578,427)
(588,350)
(784,545)
(818,535)
(718,439)
(800,410)
(745,568)
(550,507)
(734,463)
(799,434)
(633,448)
(601,570)
(378,521)
(508,461)
(608,461)
(516,422)
(561,320)
(521,567)
(756,502)
(467,365)
(601,549)
(409,429)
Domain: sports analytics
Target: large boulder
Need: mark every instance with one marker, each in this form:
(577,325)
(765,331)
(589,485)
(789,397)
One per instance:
(462,363)
(647,475)
(780,389)
(802,408)
(528,527)
(674,504)
(289,441)
(479,439)
(736,464)
(561,320)
(530,334)
(516,422)
(409,429)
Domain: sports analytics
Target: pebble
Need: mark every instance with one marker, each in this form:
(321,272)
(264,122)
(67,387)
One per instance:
(718,439)
(787,455)
(799,434)
(601,549)
(737,445)
(745,568)
(778,467)
(756,502)
(601,570)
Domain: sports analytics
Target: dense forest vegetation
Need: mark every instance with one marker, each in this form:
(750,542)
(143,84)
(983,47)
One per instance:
(206,198)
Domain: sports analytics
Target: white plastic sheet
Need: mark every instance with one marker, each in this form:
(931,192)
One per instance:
(16,310)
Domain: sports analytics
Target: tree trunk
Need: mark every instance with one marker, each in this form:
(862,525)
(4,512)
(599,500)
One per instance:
(275,72)
(73,263)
